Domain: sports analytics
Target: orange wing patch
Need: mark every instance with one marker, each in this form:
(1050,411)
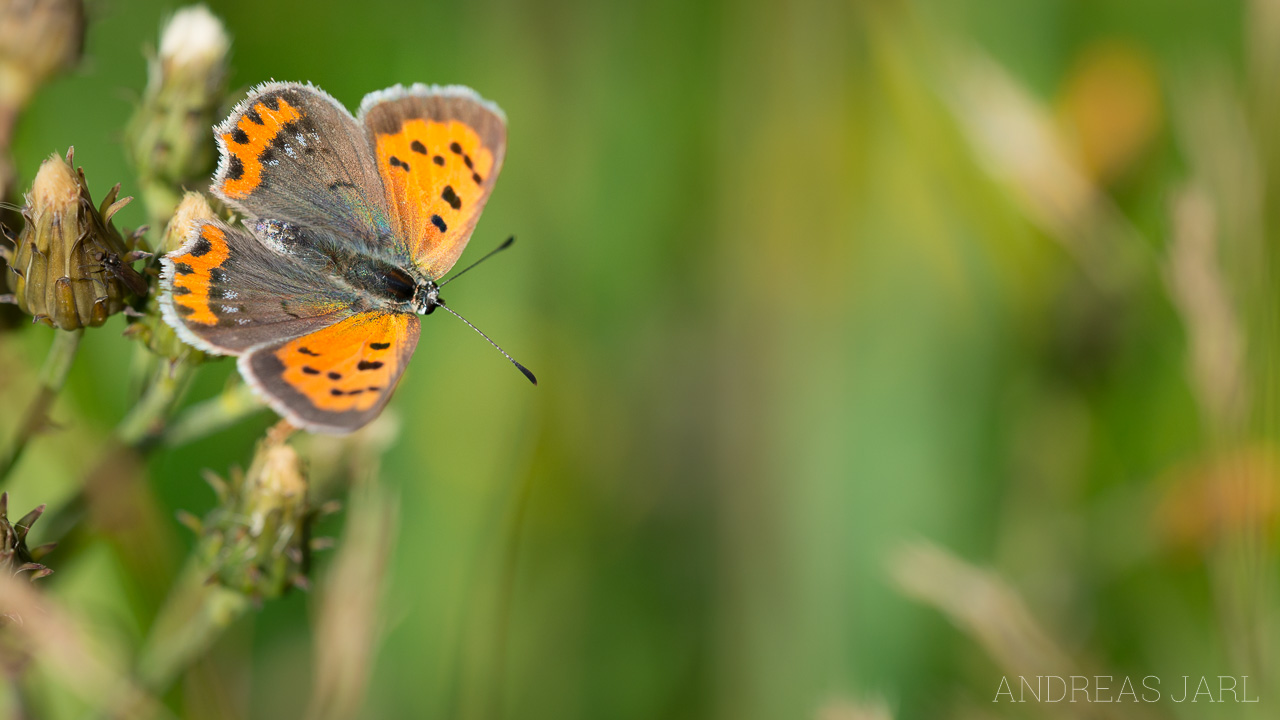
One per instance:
(350,365)
(437,180)
(248,142)
(193,275)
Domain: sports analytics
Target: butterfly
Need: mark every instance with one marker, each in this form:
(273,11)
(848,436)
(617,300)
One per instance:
(350,222)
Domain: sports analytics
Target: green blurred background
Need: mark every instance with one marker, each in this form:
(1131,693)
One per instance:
(885,350)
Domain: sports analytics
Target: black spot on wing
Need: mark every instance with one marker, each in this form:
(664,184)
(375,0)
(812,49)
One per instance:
(451,197)
(367,365)
(379,346)
(254,117)
(397,162)
(182,268)
(308,351)
(418,147)
(439,223)
(235,168)
(201,247)
(456,148)
(438,160)
(335,376)
(240,136)
(310,370)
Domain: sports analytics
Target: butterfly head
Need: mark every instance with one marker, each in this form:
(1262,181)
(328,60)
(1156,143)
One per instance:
(426,297)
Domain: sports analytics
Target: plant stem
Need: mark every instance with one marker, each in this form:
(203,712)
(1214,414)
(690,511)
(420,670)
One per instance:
(57,364)
(135,434)
(195,615)
(205,418)
(145,421)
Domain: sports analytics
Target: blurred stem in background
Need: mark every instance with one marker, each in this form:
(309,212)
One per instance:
(349,619)
(61,644)
(53,375)
(205,418)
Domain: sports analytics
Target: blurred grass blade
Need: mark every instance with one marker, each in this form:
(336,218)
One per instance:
(350,617)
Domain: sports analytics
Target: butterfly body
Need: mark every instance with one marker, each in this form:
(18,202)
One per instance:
(376,279)
(348,224)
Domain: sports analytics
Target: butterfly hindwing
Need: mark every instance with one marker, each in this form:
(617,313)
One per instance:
(292,152)
(339,377)
(439,151)
(225,292)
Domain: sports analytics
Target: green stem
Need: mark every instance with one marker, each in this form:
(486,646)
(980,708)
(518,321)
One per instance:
(57,365)
(194,616)
(145,422)
(138,431)
(210,416)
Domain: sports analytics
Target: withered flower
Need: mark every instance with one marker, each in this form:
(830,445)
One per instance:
(15,556)
(257,541)
(56,270)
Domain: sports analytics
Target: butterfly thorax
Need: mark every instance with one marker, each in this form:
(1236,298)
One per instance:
(386,284)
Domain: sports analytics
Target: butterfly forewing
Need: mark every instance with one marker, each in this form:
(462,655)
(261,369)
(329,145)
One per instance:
(225,292)
(292,152)
(439,151)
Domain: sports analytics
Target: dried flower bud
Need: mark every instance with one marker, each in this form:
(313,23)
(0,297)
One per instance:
(256,540)
(168,137)
(151,329)
(15,557)
(193,208)
(37,39)
(56,271)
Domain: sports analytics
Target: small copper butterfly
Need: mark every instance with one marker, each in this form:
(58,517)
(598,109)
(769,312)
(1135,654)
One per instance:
(350,224)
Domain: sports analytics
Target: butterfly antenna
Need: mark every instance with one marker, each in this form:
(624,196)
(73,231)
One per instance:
(519,367)
(506,244)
